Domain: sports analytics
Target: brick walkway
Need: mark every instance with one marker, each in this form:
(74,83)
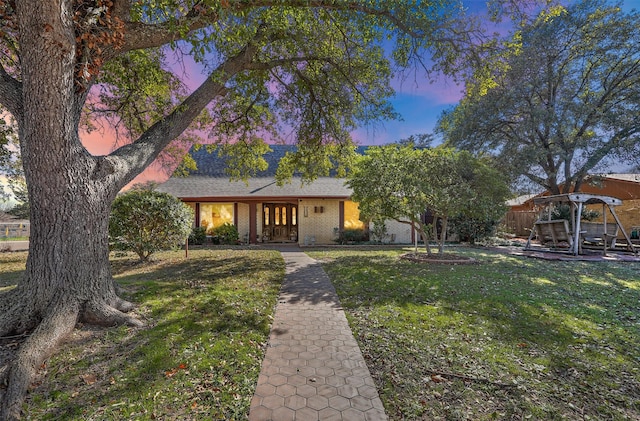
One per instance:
(313,368)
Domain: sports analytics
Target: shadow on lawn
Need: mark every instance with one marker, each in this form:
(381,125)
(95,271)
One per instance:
(207,320)
(519,295)
(578,319)
(523,301)
(11,278)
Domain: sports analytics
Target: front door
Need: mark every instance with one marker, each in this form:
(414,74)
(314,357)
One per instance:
(280,222)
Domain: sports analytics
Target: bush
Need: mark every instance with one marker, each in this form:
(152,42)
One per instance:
(472,230)
(225,234)
(146,221)
(198,235)
(353,236)
(379,232)
(563,211)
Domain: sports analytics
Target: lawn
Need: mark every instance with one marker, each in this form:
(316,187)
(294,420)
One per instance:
(507,338)
(208,320)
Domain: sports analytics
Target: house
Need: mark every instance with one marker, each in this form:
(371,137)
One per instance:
(621,186)
(306,214)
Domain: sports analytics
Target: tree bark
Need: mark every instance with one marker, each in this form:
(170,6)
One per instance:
(68,276)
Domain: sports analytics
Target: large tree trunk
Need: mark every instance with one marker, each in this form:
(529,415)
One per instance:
(68,275)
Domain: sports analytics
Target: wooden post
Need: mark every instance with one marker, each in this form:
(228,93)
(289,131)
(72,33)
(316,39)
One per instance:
(605,234)
(577,228)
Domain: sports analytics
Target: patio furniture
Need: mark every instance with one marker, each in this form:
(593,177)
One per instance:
(576,232)
(594,233)
(555,231)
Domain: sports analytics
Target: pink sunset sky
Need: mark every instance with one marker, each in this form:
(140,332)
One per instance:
(420,102)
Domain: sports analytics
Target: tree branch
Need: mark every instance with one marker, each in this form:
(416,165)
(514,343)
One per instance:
(10,93)
(140,35)
(130,159)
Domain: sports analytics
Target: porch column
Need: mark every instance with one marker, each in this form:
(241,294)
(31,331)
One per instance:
(253,223)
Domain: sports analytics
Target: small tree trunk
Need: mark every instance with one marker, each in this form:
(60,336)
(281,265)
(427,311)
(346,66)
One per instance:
(443,234)
(425,237)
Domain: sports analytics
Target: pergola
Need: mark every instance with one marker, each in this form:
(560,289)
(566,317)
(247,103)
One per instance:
(574,234)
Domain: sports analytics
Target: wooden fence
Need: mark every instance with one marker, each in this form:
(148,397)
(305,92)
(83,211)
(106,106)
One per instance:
(14,229)
(520,223)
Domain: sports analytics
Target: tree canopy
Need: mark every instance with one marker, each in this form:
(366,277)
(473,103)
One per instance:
(402,182)
(561,99)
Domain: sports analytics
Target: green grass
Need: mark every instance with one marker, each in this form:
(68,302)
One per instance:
(208,319)
(12,266)
(508,338)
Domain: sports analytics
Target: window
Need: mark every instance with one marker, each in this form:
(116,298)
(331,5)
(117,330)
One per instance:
(294,217)
(213,215)
(352,216)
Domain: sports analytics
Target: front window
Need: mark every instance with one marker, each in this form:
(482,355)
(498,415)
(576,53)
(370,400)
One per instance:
(213,215)
(352,216)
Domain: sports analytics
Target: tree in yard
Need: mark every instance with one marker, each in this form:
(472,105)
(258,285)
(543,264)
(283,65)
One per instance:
(11,166)
(317,68)
(146,221)
(401,182)
(478,218)
(562,100)
(6,141)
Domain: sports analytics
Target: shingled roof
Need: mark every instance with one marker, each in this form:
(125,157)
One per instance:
(211,164)
(211,182)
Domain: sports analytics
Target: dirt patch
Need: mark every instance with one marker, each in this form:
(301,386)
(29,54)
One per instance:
(446,259)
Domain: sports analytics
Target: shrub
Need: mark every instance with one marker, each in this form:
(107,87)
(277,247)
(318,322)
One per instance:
(354,236)
(198,235)
(225,234)
(472,230)
(146,221)
(563,211)
(379,232)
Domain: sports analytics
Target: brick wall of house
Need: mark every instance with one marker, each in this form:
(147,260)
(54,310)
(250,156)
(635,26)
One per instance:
(243,221)
(401,232)
(318,220)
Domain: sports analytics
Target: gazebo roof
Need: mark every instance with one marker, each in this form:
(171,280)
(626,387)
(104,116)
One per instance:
(585,198)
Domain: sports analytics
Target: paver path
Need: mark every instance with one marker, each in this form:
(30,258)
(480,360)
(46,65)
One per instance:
(313,368)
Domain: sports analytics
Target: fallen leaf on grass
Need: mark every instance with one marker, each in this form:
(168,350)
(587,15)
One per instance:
(173,371)
(437,378)
(89,379)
